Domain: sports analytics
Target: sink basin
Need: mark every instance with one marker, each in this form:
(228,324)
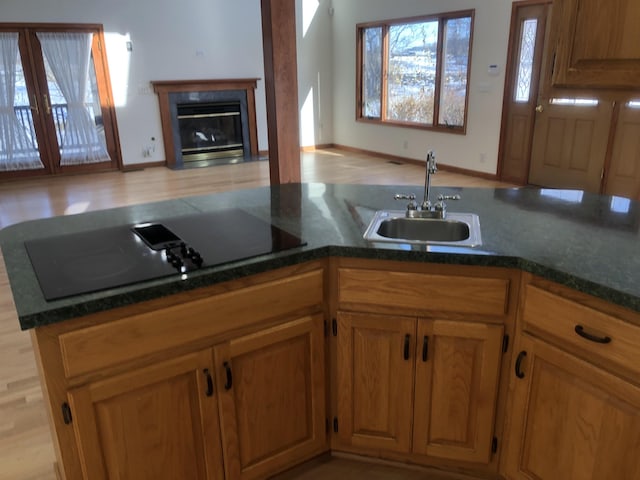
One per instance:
(393,226)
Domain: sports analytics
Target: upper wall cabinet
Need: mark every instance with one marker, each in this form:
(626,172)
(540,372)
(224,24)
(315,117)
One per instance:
(598,44)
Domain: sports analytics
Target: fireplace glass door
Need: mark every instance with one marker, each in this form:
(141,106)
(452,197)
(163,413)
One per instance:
(210,131)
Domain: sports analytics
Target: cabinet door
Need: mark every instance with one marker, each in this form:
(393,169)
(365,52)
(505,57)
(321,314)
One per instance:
(598,43)
(375,380)
(157,422)
(272,400)
(457,373)
(570,420)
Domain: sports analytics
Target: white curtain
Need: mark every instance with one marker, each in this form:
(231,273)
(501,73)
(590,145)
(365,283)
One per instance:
(69,57)
(17,150)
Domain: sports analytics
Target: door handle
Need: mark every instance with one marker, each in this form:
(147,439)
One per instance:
(521,356)
(209,379)
(425,348)
(229,383)
(539,108)
(34,107)
(47,106)
(407,341)
(592,338)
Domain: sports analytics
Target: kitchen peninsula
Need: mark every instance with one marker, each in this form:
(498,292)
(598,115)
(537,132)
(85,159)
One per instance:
(293,329)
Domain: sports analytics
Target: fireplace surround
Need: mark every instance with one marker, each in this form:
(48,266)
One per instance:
(208,120)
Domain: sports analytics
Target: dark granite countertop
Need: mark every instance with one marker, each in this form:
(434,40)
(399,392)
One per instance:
(588,242)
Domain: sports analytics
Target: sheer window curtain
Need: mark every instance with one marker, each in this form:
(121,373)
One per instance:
(17,150)
(69,56)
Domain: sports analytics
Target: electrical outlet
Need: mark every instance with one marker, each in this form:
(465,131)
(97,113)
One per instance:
(405,144)
(483,157)
(148,151)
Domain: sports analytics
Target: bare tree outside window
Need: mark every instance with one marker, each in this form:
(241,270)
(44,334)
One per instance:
(412,72)
(454,72)
(415,72)
(372,72)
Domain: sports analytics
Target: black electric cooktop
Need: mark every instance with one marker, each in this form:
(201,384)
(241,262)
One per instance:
(86,262)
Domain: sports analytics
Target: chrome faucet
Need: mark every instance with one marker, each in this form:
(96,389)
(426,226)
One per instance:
(431,169)
(427,209)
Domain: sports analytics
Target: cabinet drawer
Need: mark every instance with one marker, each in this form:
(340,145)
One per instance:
(422,292)
(107,344)
(563,321)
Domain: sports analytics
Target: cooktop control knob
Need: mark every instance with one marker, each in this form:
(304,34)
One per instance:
(197,260)
(183,257)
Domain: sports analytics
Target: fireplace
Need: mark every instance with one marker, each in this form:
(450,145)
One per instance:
(208,121)
(209,131)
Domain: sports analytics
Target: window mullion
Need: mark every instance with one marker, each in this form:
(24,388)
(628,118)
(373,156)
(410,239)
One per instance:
(438,79)
(385,73)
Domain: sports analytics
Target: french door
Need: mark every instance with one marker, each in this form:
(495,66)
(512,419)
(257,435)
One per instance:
(56,108)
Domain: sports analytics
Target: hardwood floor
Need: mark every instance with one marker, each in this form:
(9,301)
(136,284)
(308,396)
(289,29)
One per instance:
(26,451)
(352,468)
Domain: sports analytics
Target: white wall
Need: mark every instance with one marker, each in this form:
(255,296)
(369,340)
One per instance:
(314,43)
(478,149)
(172,40)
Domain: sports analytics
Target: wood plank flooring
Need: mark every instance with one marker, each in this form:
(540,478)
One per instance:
(26,451)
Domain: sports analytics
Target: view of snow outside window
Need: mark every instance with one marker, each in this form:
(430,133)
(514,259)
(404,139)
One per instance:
(372,72)
(454,71)
(58,104)
(412,70)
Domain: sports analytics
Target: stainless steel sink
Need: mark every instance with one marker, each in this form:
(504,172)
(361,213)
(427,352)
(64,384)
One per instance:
(392,226)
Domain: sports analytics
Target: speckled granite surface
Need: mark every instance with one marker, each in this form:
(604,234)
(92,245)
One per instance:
(588,242)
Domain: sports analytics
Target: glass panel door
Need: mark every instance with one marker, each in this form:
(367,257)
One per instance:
(56,111)
(18,143)
(70,100)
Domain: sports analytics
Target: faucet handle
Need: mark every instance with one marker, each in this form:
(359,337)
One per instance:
(401,196)
(412,205)
(449,197)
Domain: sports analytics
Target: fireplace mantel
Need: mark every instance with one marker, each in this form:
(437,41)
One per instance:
(164,88)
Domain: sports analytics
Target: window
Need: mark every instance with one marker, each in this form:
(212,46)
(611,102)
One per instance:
(525,60)
(575,102)
(415,72)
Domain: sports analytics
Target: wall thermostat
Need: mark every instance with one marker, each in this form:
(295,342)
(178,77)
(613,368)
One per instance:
(494,69)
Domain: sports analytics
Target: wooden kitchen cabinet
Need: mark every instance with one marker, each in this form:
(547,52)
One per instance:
(155,422)
(570,419)
(375,380)
(597,44)
(574,406)
(456,388)
(419,386)
(135,393)
(419,352)
(272,398)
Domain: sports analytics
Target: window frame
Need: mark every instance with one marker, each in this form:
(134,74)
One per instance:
(442,18)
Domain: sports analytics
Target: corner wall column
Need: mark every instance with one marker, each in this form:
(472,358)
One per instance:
(281,85)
